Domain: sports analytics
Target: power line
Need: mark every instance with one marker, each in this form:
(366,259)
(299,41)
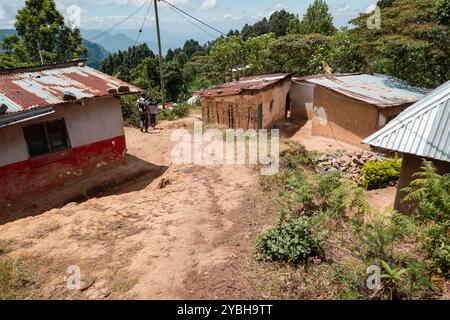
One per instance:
(119,23)
(191,16)
(143,23)
(192,22)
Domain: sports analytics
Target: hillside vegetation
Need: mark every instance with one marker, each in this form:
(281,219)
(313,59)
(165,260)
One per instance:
(412,44)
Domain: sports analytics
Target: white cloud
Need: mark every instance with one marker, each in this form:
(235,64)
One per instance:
(269,11)
(134,3)
(227,17)
(345,10)
(2,12)
(208,5)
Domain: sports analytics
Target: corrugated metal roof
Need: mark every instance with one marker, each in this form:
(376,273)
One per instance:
(248,84)
(16,117)
(379,90)
(42,86)
(423,129)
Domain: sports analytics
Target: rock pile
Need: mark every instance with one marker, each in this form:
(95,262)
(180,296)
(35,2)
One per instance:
(349,163)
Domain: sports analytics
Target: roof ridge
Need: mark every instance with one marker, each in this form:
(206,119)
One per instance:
(35,68)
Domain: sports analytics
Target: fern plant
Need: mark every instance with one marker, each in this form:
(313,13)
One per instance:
(429,193)
(393,279)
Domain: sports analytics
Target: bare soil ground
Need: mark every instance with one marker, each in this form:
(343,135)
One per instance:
(303,135)
(152,239)
(170,232)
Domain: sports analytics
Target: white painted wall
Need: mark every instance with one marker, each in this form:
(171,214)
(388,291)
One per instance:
(92,121)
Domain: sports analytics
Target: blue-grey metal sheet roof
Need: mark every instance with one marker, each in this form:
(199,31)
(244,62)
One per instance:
(423,129)
(376,89)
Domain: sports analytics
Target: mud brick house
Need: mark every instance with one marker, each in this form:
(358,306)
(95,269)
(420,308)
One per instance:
(57,122)
(350,107)
(421,132)
(250,103)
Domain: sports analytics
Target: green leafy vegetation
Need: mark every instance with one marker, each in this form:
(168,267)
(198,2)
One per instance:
(290,241)
(412,44)
(325,223)
(15,274)
(443,12)
(379,174)
(132,118)
(429,193)
(41,31)
(304,200)
(317,19)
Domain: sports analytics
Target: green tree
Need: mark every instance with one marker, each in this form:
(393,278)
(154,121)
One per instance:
(41,27)
(192,46)
(411,45)
(8,61)
(443,12)
(317,19)
(248,31)
(279,22)
(294,53)
(146,74)
(254,50)
(294,26)
(225,55)
(385,3)
(121,64)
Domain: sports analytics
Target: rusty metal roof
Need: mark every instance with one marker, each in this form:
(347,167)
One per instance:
(245,85)
(376,89)
(423,129)
(23,89)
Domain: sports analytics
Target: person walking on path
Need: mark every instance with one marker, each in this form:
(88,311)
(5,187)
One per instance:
(153,111)
(143,110)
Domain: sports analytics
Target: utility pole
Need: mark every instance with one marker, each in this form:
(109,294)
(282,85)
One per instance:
(160,55)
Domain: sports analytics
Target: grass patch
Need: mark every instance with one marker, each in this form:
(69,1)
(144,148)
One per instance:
(16,275)
(121,280)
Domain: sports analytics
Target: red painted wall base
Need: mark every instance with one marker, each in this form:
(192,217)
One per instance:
(28,179)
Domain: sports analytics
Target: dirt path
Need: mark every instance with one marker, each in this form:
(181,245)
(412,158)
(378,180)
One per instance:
(145,241)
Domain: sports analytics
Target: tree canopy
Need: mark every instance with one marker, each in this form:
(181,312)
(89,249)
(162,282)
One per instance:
(317,19)
(412,43)
(41,30)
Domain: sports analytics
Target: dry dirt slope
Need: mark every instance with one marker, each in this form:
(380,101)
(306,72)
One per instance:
(144,243)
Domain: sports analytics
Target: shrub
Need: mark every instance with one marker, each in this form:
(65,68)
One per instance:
(290,241)
(129,111)
(379,174)
(179,111)
(375,242)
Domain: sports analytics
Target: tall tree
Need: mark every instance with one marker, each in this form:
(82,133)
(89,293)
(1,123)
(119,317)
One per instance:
(279,22)
(120,64)
(294,25)
(410,45)
(41,30)
(226,54)
(317,19)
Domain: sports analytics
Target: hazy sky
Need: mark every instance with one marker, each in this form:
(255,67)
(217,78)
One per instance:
(222,14)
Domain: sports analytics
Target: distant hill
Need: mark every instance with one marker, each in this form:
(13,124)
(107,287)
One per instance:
(123,39)
(111,42)
(96,52)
